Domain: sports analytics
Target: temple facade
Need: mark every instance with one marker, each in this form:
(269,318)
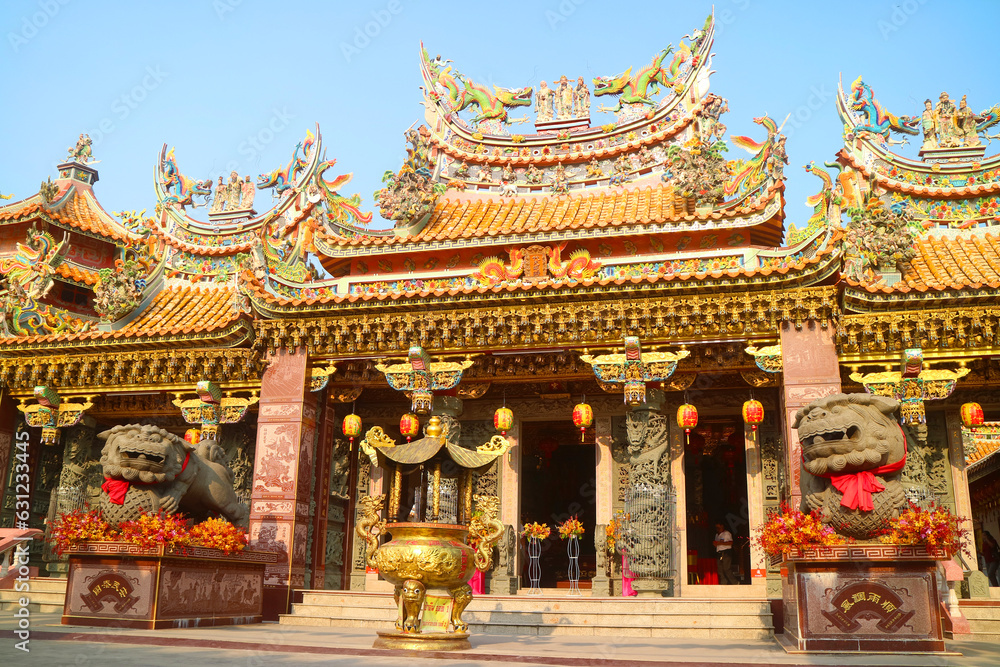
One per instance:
(635,268)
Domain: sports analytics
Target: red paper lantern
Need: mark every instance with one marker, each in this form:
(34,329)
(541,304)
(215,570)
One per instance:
(583,418)
(687,417)
(352,427)
(503,419)
(972,415)
(753,413)
(193,436)
(409,425)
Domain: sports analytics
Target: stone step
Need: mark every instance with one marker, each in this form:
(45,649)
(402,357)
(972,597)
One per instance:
(44,584)
(556,615)
(581,617)
(514,628)
(539,604)
(46,597)
(34,607)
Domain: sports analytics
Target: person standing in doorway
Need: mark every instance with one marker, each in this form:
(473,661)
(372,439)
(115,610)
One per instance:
(724,550)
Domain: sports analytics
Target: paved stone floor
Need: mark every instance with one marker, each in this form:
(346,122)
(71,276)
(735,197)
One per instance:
(53,645)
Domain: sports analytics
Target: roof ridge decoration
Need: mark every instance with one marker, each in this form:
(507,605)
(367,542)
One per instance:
(836,196)
(767,162)
(308,208)
(879,239)
(25,279)
(455,92)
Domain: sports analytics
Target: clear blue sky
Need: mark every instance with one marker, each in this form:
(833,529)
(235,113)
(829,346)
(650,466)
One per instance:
(215,77)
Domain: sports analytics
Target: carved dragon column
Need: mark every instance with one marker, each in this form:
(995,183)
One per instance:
(279,506)
(811,371)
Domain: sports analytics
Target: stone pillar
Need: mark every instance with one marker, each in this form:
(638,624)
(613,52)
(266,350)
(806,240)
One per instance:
(604,474)
(508,582)
(755,502)
(811,371)
(283,466)
(678,479)
(321,492)
(960,483)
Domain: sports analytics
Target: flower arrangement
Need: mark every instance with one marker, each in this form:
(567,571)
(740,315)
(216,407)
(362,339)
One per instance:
(79,526)
(571,527)
(219,534)
(791,529)
(149,530)
(152,529)
(536,531)
(934,527)
(611,535)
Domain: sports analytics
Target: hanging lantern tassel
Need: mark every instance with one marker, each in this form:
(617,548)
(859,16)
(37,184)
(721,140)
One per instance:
(583,417)
(352,428)
(409,425)
(753,413)
(972,415)
(503,419)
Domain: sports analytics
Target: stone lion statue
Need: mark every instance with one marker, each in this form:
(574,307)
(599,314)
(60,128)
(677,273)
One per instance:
(853,452)
(149,469)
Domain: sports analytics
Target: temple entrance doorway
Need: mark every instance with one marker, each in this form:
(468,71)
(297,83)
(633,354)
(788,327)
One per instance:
(716,488)
(558,480)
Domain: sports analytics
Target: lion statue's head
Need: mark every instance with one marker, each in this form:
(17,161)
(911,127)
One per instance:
(848,433)
(142,453)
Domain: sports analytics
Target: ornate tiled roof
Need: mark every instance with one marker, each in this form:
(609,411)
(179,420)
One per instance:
(78,209)
(76,273)
(957,262)
(981,443)
(810,269)
(82,212)
(463,218)
(177,313)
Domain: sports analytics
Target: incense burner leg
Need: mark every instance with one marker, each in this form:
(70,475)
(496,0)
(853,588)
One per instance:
(412,594)
(462,596)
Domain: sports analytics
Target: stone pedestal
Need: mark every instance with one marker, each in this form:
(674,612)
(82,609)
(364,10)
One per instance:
(503,585)
(600,586)
(124,585)
(653,587)
(862,598)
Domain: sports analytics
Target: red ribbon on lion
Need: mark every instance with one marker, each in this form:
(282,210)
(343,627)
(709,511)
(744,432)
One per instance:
(118,488)
(857,487)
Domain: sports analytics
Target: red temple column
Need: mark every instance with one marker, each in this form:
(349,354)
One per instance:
(811,371)
(283,467)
